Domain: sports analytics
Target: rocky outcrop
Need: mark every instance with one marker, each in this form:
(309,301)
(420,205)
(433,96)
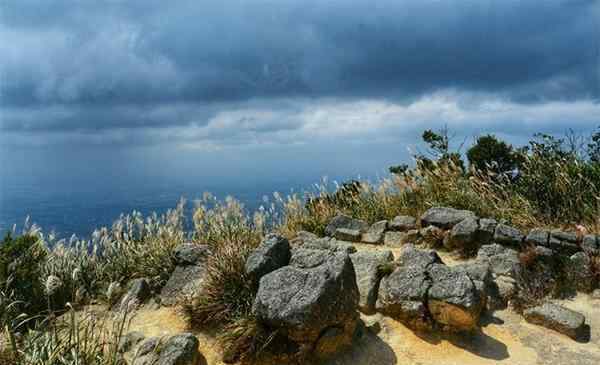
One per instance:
(272,253)
(314,296)
(367,265)
(375,233)
(557,318)
(189,274)
(345,222)
(445,218)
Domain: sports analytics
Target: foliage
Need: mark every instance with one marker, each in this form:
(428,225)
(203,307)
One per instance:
(490,153)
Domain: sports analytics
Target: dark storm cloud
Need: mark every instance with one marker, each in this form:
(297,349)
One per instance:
(104,65)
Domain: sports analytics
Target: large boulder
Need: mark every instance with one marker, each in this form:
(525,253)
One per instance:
(272,253)
(423,258)
(330,244)
(368,265)
(557,318)
(349,235)
(538,237)
(189,275)
(445,218)
(403,296)
(314,295)
(453,299)
(346,222)
(403,223)
(181,349)
(565,243)
(463,235)
(375,233)
(482,277)
(397,238)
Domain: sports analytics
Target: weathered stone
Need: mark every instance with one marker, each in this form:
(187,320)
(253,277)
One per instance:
(130,341)
(330,244)
(564,236)
(596,294)
(502,260)
(272,253)
(315,292)
(403,223)
(557,318)
(303,237)
(591,245)
(432,236)
(485,233)
(185,281)
(344,221)
(350,235)
(444,218)
(463,235)
(375,233)
(367,266)
(423,258)
(507,235)
(403,295)
(394,239)
(564,243)
(139,291)
(579,270)
(453,299)
(506,291)
(181,349)
(190,253)
(538,237)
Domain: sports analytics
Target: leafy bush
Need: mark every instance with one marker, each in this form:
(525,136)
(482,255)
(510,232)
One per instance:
(490,153)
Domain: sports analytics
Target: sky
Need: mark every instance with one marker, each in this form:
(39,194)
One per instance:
(274,80)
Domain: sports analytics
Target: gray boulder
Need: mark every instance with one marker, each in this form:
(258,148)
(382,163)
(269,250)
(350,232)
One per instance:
(185,281)
(139,291)
(403,223)
(538,237)
(272,253)
(444,218)
(485,233)
(557,318)
(302,237)
(508,236)
(397,239)
(565,243)
(315,293)
(344,221)
(349,235)
(579,271)
(463,235)
(403,296)
(591,245)
(503,261)
(375,233)
(367,265)
(453,299)
(327,243)
(423,258)
(181,349)
(482,277)
(190,254)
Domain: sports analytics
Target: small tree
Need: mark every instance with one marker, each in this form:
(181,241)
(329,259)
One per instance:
(492,154)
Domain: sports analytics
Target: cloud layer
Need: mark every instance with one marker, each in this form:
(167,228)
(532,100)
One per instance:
(199,73)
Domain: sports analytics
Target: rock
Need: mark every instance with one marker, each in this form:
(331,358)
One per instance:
(596,294)
(303,237)
(139,291)
(190,254)
(538,237)
(485,233)
(444,218)
(185,281)
(506,289)
(463,235)
(579,271)
(503,261)
(181,349)
(591,245)
(272,253)
(412,256)
(344,221)
(403,295)
(432,236)
(393,238)
(403,223)
(367,266)
(375,233)
(507,235)
(350,235)
(330,244)
(130,341)
(453,299)
(315,293)
(563,236)
(481,275)
(564,243)
(557,318)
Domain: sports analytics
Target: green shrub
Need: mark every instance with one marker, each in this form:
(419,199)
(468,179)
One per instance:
(490,153)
